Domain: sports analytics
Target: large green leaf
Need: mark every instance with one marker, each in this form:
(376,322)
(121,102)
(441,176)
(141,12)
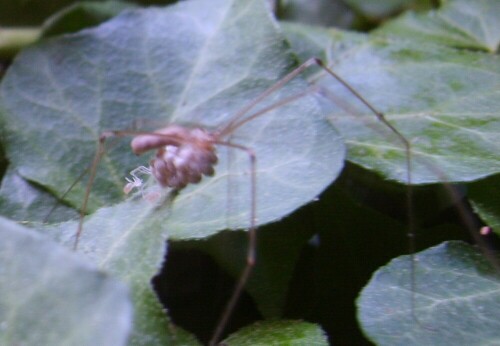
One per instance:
(443,100)
(48,296)
(168,70)
(128,241)
(457,300)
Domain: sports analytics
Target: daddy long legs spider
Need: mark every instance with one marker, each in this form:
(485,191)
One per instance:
(184,155)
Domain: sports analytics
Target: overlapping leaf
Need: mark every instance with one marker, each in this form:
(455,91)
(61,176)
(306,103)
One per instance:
(49,296)
(442,100)
(457,299)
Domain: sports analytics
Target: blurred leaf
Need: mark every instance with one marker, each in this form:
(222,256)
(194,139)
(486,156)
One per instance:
(457,299)
(70,19)
(278,333)
(443,100)
(128,241)
(82,15)
(458,23)
(48,296)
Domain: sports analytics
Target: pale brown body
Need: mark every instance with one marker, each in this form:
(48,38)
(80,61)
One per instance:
(183,155)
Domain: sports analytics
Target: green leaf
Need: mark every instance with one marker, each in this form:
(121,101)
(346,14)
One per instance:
(442,100)
(128,241)
(48,296)
(457,299)
(93,81)
(278,333)
(458,23)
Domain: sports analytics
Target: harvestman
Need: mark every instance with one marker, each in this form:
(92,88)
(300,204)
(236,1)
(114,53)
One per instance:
(184,155)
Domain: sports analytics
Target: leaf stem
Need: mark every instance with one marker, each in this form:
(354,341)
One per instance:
(12,40)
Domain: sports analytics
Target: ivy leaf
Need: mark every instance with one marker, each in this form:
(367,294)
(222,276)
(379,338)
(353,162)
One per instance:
(90,82)
(457,299)
(49,296)
(128,241)
(442,100)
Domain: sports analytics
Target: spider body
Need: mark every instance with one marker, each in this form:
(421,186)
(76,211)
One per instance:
(183,155)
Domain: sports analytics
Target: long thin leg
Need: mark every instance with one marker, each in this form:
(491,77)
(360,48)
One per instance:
(409,189)
(240,119)
(251,247)
(65,193)
(93,169)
